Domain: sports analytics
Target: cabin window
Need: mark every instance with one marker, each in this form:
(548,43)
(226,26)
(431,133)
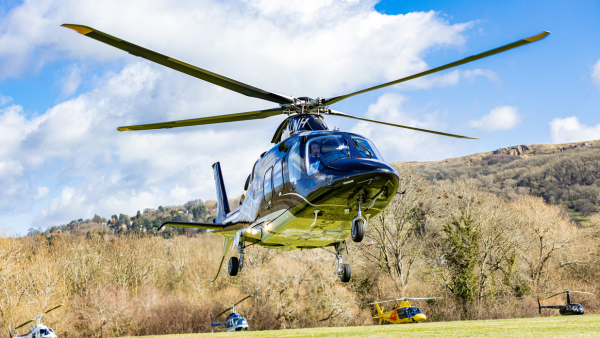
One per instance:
(322,150)
(295,164)
(268,185)
(277,177)
(366,148)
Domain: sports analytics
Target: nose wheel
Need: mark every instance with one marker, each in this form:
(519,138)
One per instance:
(358,225)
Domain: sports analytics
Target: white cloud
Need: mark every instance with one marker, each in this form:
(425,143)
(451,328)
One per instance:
(570,129)
(499,118)
(397,144)
(4,99)
(596,73)
(71,81)
(72,155)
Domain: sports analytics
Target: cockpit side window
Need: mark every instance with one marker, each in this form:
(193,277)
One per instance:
(366,148)
(268,185)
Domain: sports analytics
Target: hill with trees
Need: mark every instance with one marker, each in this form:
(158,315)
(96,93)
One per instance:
(561,174)
(146,221)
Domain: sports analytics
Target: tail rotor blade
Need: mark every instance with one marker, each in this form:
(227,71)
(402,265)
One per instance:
(251,115)
(180,66)
(337,113)
(444,67)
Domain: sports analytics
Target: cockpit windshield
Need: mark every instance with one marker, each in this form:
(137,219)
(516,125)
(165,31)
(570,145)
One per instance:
(366,148)
(412,311)
(237,322)
(323,150)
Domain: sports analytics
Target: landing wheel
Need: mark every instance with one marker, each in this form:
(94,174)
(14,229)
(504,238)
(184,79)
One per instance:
(233,266)
(346,273)
(358,231)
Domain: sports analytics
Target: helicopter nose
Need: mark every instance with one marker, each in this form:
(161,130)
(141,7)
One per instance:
(419,317)
(362,165)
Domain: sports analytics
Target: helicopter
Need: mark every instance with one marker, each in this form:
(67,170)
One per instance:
(564,310)
(403,313)
(316,187)
(39,330)
(234,322)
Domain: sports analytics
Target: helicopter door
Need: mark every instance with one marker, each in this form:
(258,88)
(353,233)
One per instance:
(294,175)
(280,200)
(286,188)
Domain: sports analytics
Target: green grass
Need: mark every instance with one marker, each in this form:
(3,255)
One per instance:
(558,326)
(579,218)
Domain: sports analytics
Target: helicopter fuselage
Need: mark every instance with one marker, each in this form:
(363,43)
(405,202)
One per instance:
(305,191)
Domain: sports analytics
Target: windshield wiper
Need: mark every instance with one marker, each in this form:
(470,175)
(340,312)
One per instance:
(347,147)
(360,145)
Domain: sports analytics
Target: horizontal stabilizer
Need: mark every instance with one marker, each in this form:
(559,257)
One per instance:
(197,225)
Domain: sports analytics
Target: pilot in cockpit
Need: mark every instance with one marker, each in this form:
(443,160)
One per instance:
(313,160)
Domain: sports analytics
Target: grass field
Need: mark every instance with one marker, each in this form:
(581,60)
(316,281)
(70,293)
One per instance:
(558,326)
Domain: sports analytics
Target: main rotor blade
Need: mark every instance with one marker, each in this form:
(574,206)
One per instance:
(229,308)
(450,65)
(251,115)
(181,66)
(243,299)
(337,113)
(402,299)
(27,322)
(556,294)
(54,308)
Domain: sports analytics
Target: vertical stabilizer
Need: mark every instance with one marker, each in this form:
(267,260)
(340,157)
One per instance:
(378,309)
(568,297)
(222,201)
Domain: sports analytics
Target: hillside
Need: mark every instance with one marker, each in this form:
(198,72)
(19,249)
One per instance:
(563,174)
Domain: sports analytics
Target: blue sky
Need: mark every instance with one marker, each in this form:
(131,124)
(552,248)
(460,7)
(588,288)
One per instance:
(62,95)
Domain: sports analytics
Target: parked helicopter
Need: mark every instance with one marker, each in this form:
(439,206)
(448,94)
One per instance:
(234,322)
(403,313)
(39,330)
(316,187)
(564,310)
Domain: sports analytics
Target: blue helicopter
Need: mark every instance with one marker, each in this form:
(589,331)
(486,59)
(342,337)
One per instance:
(315,188)
(234,322)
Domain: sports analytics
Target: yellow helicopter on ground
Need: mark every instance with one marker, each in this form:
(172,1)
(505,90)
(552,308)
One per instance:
(403,313)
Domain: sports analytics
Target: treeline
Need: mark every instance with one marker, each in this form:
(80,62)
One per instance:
(570,178)
(143,222)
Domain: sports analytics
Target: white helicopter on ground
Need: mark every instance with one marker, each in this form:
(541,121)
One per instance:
(39,330)
(234,322)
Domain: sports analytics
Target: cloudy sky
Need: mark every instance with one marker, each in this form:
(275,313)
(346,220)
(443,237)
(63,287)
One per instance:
(62,95)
